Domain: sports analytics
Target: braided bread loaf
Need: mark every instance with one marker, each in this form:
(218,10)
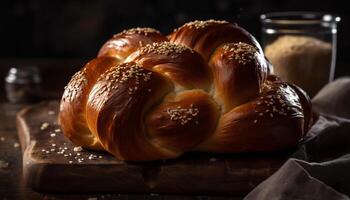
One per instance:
(204,87)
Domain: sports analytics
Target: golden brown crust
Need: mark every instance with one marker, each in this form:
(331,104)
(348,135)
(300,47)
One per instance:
(271,122)
(177,62)
(72,109)
(205,36)
(184,121)
(239,72)
(208,89)
(123,44)
(116,106)
(307,108)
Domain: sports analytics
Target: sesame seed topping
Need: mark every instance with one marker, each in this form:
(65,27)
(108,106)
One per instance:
(123,73)
(183,115)
(73,89)
(241,52)
(141,31)
(165,48)
(203,24)
(277,101)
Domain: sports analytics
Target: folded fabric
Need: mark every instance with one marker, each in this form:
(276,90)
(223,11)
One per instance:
(319,169)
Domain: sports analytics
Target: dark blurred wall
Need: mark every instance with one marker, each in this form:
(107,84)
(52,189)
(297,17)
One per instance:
(76,29)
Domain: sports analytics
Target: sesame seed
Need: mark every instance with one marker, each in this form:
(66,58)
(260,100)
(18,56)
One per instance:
(16,145)
(140,43)
(78,148)
(255,121)
(53,134)
(2,139)
(44,126)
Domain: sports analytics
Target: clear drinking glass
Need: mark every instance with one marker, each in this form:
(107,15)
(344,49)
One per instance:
(301,47)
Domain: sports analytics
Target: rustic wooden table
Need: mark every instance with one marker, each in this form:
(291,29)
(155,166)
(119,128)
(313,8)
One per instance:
(11,183)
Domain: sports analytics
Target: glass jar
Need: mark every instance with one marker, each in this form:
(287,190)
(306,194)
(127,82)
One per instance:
(301,47)
(23,84)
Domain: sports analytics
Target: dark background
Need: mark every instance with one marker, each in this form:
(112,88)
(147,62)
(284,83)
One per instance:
(39,31)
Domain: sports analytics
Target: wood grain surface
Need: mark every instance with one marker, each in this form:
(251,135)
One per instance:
(46,168)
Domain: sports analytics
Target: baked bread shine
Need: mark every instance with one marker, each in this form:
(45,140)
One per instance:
(205,87)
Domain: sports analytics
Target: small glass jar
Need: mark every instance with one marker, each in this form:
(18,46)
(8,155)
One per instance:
(23,84)
(301,47)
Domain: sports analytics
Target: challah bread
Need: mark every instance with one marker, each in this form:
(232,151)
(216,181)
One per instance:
(205,87)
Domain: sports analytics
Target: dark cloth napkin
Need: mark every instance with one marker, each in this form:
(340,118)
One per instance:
(320,168)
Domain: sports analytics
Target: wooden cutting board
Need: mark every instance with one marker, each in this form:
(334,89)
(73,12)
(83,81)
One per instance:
(50,164)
